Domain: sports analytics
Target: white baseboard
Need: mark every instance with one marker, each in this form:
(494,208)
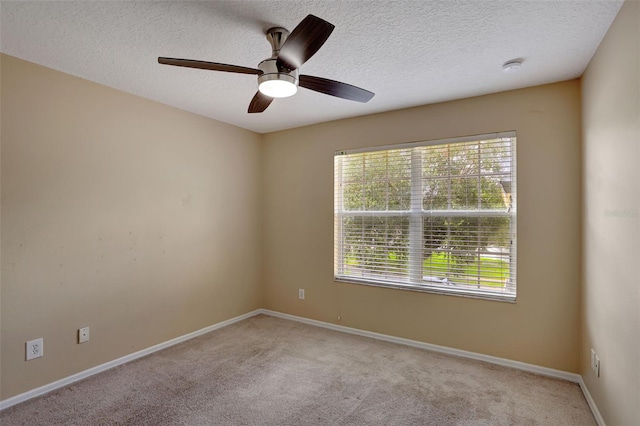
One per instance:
(592,403)
(127,358)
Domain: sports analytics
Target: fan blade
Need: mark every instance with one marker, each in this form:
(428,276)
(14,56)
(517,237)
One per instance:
(203,65)
(259,103)
(335,88)
(304,41)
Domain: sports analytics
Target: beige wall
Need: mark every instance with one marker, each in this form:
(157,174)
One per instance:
(134,218)
(541,328)
(611,262)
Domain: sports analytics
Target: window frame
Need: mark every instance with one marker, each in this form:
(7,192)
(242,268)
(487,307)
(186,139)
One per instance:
(416,214)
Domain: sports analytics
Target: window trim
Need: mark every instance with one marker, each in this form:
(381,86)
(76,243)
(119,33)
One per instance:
(416,215)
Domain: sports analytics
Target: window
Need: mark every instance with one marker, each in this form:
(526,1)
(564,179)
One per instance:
(434,216)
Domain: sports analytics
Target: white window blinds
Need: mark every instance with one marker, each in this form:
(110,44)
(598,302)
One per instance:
(436,216)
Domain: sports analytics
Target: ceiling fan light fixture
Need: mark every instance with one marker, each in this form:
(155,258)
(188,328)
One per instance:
(277,85)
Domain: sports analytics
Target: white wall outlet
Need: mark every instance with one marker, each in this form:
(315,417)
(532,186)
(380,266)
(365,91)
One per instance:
(595,363)
(35,348)
(83,335)
(301,293)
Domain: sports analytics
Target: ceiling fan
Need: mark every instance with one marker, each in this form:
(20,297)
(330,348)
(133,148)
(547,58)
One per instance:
(278,75)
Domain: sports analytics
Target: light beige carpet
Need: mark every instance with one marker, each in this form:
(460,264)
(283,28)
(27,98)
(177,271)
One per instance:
(269,371)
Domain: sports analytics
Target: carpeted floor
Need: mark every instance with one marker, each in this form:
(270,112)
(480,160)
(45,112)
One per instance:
(270,371)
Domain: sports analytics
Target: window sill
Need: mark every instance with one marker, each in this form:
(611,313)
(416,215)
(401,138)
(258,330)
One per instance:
(427,288)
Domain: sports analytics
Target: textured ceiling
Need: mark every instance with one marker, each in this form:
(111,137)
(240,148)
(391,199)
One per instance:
(408,52)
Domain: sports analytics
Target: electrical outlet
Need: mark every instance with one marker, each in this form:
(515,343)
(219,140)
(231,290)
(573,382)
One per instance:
(595,363)
(301,293)
(35,349)
(83,335)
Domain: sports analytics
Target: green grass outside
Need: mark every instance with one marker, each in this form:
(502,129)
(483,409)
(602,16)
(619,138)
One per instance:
(493,272)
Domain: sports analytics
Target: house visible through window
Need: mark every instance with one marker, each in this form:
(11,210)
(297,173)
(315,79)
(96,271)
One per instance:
(435,216)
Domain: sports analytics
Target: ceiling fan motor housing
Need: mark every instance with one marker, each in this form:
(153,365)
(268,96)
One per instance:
(270,71)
